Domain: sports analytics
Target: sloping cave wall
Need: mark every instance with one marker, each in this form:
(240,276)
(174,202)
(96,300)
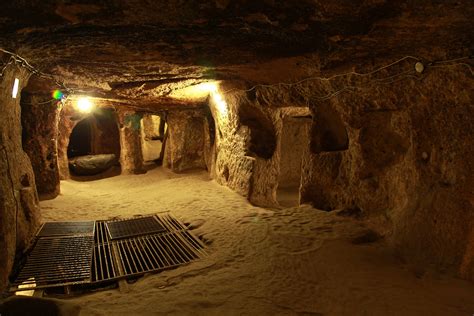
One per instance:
(39,119)
(19,206)
(404,161)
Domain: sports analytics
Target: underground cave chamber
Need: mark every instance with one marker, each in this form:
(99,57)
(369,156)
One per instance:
(293,138)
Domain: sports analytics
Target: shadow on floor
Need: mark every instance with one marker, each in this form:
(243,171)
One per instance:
(288,196)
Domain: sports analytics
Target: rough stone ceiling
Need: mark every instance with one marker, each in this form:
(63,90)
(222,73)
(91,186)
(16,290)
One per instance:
(142,49)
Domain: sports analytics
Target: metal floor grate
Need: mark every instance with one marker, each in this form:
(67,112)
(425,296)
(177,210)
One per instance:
(134,227)
(98,258)
(118,258)
(67,228)
(155,252)
(104,266)
(57,262)
(170,223)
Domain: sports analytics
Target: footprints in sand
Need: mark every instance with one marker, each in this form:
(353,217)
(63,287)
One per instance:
(195,224)
(206,240)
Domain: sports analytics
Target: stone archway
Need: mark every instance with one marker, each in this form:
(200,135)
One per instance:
(81,135)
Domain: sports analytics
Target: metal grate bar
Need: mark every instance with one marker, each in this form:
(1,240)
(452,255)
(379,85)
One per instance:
(106,254)
(170,223)
(51,229)
(157,259)
(134,227)
(103,264)
(57,261)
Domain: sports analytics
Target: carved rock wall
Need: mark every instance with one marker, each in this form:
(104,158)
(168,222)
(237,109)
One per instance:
(104,137)
(67,121)
(153,129)
(232,166)
(19,206)
(39,120)
(131,157)
(186,140)
(399,153)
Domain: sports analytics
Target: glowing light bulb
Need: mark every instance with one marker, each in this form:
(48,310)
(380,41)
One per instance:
(16,84)
(84,105)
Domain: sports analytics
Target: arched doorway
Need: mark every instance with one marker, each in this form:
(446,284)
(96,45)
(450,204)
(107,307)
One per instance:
(94,144)
(80,141)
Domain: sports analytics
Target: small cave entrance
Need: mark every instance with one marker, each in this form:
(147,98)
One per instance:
(154,134)
(94,146)
(294,140)
(80,141)
(328,132)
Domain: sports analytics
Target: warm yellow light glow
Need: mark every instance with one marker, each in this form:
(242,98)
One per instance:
(203,91)
(30,283)
(220,103)
(16,84)
(195,92)
(84,105)
(207,86)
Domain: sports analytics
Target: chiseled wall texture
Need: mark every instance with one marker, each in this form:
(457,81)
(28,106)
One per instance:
(19,206)
(186,140)
(408,163)
(39,121)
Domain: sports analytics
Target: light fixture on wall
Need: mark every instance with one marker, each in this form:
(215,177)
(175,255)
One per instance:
(16,85)
(84,105)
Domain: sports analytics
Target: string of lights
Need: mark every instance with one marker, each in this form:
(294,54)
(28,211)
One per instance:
(413,73)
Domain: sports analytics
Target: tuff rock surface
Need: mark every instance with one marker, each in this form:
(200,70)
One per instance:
(19,207)
(384,135)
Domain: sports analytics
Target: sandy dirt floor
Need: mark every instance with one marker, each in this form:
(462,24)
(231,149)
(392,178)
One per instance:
(261,261)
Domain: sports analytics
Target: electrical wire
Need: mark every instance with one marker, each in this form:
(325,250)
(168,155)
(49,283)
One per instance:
(15,58)
(386,80)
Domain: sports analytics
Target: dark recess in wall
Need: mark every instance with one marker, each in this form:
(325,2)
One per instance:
(80,143)
(262,132)
(328,131)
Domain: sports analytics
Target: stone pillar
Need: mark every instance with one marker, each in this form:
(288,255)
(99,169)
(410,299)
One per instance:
(19,206)
(131,157)
(185,146)
(68,119)
(40,132)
